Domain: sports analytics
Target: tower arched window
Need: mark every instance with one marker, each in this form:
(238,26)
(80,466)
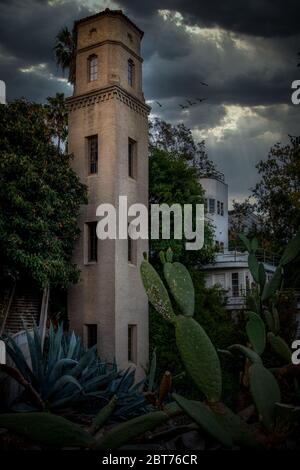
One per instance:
(130,72)
(93,68)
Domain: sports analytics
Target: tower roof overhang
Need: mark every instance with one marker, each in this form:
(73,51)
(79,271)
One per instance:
(108,12)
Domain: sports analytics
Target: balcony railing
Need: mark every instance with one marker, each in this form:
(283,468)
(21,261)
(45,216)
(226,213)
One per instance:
(262,256)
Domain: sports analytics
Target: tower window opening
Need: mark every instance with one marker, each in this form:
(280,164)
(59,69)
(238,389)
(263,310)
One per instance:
(130,72)
(218,207)
(131,158)
(93,154)
(93,68)
(92,242)
(91,335)
(222,208)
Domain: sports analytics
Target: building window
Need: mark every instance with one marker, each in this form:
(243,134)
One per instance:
(222,246)
(222,208)
(92,242)
(91,335)
(93,68)
(131,158)
(235,284)
(247,285)
(92,154)
(218,207)
(132,343)
(130,73)
(212,206)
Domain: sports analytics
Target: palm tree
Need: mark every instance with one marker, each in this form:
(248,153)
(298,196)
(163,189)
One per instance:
(65,52)
(57,117)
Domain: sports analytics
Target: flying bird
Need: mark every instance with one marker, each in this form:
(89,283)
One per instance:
(183,107)
(190,102)
(200,99)
(157,102)
(202,83)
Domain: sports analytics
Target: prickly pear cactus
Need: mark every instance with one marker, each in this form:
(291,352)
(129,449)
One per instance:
(265,392)
(256,332)
(181,285)
(280,347)
(292,250)
(199,357)
(253,266)
(156,292)
(204,417)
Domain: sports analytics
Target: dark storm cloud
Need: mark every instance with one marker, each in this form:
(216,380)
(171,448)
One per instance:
(245,51)
(266,18)
(27,34)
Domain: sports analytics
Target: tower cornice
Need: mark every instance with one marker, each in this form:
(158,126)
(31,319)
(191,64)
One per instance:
(113,92)
(110,41)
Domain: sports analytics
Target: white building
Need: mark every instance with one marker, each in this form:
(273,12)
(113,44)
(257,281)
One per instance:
(2,92)
(230,269)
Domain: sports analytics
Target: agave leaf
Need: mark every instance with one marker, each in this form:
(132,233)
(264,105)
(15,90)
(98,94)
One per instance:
(39,355)
(181,285)
(156,292)
(61,382)
(33,355)
(205,418)
(84,362)
(16,354)
(72,345)
(65,401)
(291,251)
(59,368)
(256,332)
(249,353)
(100,380)
(265,392)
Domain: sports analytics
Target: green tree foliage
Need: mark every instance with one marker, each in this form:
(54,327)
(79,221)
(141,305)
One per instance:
(278,192)
(40,196)
(174,172)
(57,117)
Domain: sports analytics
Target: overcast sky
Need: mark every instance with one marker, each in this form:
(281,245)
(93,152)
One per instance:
(245,51)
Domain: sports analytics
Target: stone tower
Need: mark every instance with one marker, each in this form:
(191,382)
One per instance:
(108,135)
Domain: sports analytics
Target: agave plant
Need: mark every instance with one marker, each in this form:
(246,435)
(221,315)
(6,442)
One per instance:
(63,374)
